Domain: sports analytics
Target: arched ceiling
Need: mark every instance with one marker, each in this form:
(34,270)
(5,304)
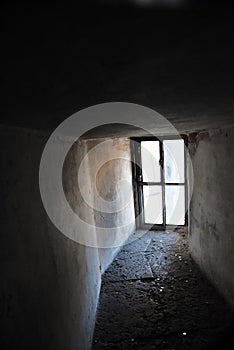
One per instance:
(178,62)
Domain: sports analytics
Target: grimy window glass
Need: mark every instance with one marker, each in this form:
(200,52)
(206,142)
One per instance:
(175,205)
(150,161)
(153,209)
(174,161)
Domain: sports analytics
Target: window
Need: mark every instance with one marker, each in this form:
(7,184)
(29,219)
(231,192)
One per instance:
(160,181)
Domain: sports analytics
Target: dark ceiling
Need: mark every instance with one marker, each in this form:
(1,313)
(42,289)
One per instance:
(178,61)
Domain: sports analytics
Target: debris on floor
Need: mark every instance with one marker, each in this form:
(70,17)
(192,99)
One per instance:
(154,296)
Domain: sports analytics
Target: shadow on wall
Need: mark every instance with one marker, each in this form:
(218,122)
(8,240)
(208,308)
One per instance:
(50,284)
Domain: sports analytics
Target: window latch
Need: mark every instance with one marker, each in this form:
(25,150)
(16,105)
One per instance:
(161,162)
(140,178)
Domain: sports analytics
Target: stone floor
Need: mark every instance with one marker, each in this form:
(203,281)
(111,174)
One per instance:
(154,296)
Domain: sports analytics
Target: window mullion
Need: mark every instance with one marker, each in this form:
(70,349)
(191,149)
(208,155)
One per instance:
(163,182)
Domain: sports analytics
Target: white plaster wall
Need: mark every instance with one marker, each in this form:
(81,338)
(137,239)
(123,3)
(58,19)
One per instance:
(49,284)
(113,181)
(212,207)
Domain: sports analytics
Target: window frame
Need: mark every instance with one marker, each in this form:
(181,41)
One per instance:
(138,183)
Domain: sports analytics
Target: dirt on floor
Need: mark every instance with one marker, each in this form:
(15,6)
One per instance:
(154,296)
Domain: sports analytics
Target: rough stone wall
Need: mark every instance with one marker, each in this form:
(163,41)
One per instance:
(212,207)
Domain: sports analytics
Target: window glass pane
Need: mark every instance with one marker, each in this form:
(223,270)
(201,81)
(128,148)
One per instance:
(150,156)
(175,205)
(153,204)
(174,160)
